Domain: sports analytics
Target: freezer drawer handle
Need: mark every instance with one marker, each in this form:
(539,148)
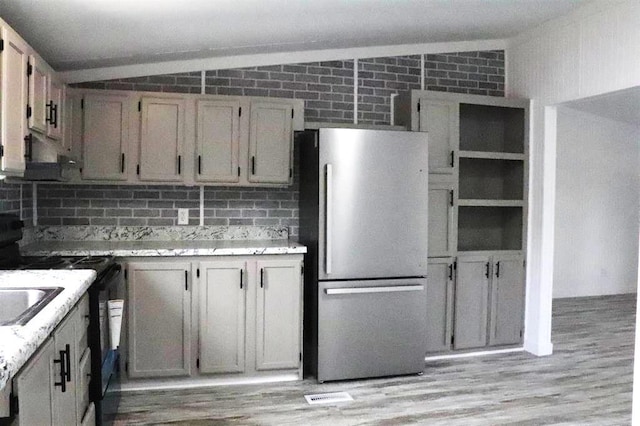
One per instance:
(366,290)
(328,218)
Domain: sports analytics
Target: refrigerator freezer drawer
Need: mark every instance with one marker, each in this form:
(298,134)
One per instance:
(371,328)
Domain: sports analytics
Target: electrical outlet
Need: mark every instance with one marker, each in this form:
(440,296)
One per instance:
(183,216)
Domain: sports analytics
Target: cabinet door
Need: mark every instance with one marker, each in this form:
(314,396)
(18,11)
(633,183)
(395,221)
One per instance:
(471,300)
(222,316)
(218,141)
(440,275)
(159,319)
(161,139)
(34,385)
(440,120)
(56,90)
(278,314)
(442,219)
(507,300)
(64,401)
(38,95)
(13,102)
(105,136)
(270,143)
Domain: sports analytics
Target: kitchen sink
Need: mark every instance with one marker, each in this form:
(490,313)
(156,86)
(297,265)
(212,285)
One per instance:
(19,304)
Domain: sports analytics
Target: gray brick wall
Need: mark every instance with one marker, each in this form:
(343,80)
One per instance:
(60,204)
(327,87)
(476,73)
(10,199)
(378,79)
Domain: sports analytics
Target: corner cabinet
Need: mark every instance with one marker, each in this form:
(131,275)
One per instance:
(247,314)
(478,168)
(159,319)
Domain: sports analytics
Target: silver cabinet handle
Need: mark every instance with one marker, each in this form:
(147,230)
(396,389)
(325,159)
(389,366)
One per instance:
(328,217)
(365,290)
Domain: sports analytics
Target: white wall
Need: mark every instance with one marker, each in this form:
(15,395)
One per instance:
(597,200)
(593,50)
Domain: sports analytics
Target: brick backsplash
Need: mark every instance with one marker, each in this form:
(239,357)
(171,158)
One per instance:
(10,200)
(145,205)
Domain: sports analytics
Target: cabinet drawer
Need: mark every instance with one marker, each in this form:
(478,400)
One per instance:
(89,418)
(84,377)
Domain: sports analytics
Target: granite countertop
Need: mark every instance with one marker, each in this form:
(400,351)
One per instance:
(19,343)
(163,248)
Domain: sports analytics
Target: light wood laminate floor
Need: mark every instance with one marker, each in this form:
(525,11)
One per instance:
(587,381)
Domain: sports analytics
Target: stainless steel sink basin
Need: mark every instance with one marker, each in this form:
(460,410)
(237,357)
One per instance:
(19,304)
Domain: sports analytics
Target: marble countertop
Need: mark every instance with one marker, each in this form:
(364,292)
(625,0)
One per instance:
(19,343)
(163,248)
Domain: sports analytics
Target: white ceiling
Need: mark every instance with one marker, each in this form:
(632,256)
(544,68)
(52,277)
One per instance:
(81,34)
(623,105)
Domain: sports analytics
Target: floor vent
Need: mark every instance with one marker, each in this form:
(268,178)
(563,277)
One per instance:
(328,398)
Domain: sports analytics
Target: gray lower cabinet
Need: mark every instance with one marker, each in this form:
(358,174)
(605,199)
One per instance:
(250,314)
(471,302)
(440,273)
(223,306)
(507,300)
(247,314)
(34,386)
(48,385)
(489,300)
(159,319)
(278,314)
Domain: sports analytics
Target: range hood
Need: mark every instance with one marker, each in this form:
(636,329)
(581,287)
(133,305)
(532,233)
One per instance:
(51,171)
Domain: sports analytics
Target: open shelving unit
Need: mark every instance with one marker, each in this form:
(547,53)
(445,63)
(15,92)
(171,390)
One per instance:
(492,170)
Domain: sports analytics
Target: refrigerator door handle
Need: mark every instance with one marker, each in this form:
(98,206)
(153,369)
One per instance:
(328,217)
(366,290)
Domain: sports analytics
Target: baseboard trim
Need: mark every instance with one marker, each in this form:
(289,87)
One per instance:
(168,384)
(473,354)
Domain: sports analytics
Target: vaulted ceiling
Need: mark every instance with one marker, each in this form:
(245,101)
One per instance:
(82,34)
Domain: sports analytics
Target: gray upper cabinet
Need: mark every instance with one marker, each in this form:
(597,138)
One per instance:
(471,301)
(440,283)
(159,319)
(222,304)
(271,142)
(507,300)
(440,120)
(278,313)
(443,219)
(105,136)
(218,140)
(162,134)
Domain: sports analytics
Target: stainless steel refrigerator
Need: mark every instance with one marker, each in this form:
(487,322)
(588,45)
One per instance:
(363,217)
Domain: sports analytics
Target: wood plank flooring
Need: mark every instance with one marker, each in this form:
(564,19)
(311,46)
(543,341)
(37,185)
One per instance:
(587,381)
